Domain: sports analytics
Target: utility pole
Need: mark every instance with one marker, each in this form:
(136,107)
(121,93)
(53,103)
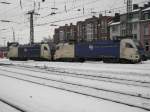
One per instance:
(13,35)
(128,19)
(31,13)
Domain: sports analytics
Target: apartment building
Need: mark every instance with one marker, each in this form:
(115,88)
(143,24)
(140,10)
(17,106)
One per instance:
(140,25)
(91,29)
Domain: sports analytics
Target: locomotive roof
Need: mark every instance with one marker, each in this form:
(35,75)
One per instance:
(101,42)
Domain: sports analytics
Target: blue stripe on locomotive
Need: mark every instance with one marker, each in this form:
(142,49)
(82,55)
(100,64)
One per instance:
(33,51)
(104,48)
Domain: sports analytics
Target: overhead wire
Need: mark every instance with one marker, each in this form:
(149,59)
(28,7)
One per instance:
(72,18)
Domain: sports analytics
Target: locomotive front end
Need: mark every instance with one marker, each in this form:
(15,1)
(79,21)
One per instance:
(129,51)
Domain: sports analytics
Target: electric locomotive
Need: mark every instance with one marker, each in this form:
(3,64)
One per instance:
(39,51)
(122,51)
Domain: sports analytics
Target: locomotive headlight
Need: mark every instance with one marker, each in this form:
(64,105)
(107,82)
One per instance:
(136,56)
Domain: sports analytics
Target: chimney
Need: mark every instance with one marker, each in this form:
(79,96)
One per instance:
(135,6)
(71,24)
(100,15)
(146,6)
(117,17)
(117,14)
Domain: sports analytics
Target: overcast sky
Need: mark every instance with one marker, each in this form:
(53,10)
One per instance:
(16,12)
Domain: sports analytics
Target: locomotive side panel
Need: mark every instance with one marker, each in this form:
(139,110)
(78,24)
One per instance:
(95,50)
(29,52)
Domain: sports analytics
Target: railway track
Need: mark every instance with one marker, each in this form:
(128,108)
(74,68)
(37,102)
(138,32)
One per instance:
(113,96)
(17,108)
(143,67)
(58,76)
(106,72)
(104,75)
(99,77)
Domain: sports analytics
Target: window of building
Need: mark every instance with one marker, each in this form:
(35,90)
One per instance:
(146,30)
(90,32)
(146,16)
(147,46)
(123,26)
(123,32)
(134,26)
(135,16)
(134,36)
(114,28)
(103,24)
(61,35)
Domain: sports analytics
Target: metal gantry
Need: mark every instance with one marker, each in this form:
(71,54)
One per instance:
(31,13)
(128,20)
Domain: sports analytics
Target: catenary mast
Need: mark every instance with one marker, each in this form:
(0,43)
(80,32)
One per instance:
(128,20)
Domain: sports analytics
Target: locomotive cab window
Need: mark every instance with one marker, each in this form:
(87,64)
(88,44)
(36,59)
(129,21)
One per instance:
(128,45)
(57,48)
(45,48)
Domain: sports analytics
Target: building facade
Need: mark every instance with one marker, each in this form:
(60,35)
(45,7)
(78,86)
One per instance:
(65,33)
(91,29)
(140,26)
(145,29)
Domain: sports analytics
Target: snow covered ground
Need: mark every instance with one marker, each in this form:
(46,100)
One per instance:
(133,79)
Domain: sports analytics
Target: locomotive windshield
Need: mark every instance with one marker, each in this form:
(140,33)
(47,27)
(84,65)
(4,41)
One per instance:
(45,48)
(128,45)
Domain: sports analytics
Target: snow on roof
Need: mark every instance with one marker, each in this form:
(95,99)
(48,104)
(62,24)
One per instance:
(115,23)
(136,10)
(147,9)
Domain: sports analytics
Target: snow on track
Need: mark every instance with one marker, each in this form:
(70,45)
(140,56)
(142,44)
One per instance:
(114,96)
(107,84)
(37,98)
(120,83)
(7,107)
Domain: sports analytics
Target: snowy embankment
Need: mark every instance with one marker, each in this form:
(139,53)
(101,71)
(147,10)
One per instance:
(36,98)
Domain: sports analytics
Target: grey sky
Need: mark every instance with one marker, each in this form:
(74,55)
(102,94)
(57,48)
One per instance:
(66,9)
